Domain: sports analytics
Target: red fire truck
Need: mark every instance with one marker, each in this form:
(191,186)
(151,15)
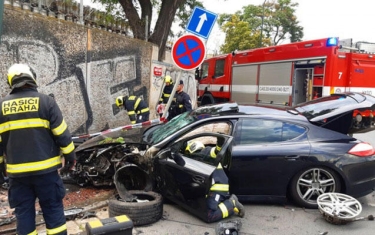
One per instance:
(287,74)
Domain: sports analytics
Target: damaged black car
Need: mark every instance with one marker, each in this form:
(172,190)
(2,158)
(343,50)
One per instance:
(269,153)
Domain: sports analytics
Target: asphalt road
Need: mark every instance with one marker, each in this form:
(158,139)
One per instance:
(260,219)
(265,219)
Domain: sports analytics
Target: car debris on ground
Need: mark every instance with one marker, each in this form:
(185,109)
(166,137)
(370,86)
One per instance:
(81,205)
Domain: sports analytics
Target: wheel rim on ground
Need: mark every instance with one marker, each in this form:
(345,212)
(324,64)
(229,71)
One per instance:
(339,208)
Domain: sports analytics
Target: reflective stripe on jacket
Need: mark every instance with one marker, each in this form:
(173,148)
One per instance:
(166,93)
(180,104)
(135,105)
(220,181)
(33,133)
(183,102)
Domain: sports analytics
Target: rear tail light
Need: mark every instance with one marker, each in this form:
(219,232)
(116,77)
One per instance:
(362,150)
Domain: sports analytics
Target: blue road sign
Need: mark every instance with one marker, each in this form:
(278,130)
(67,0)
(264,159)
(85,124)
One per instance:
(201,22)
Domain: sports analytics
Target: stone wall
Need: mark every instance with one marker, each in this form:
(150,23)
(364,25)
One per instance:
(85,68)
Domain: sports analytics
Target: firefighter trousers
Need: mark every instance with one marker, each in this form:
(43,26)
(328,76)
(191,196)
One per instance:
(143,117)
(50,191)
(218,209)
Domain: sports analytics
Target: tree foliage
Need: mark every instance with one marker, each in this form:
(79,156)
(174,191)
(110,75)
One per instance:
(139,15)
(269,24)
(238,35)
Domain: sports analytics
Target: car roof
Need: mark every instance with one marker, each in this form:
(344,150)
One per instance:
(235,110)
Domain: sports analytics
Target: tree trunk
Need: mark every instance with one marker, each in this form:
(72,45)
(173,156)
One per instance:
(136,23)
(164,23)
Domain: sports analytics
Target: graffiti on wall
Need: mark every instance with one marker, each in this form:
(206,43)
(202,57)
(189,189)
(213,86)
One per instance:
(162,69)
(85,92)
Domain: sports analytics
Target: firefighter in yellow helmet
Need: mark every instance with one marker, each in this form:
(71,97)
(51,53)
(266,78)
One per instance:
(137,108)
(220,204)
(33,135)
(167,90)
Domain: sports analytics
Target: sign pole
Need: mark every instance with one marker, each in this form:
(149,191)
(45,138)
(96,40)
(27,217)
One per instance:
(176,82)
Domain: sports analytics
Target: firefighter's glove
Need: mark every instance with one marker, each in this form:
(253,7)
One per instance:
(70,162)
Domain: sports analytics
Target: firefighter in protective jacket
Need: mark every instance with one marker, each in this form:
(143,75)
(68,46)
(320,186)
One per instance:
(33,136)
(167,90)
(137,108)
(220,203)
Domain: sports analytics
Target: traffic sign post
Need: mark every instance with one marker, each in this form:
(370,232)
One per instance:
(188,52)
(201,22)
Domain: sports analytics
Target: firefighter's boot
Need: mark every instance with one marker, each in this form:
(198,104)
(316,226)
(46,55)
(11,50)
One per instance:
(238,209)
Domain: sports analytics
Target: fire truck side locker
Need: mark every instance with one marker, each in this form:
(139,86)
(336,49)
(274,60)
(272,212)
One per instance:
(318,78)
(244,83)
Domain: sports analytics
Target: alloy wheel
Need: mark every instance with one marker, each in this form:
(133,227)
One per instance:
(338,208)
(313,183)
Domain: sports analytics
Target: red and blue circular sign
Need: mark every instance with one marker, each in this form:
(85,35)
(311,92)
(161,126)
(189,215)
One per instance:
(188,52)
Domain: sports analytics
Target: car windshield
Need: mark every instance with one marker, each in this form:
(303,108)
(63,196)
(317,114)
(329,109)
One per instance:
(325,105)
(171,127)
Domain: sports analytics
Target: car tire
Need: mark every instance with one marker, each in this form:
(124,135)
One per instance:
(141,213)
(307,185)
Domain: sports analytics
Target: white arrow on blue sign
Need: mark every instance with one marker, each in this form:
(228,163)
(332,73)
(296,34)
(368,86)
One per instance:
(201,22)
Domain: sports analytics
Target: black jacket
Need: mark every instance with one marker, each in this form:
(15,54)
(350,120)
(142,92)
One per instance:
(181,103)
(33,133)
(166,94)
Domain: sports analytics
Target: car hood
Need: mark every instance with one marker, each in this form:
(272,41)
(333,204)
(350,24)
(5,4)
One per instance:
(116,137)
(334,111)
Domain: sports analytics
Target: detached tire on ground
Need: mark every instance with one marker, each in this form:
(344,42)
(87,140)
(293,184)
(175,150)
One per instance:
(148,211)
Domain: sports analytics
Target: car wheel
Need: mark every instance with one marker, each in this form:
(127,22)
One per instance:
(308,185)
(146,209)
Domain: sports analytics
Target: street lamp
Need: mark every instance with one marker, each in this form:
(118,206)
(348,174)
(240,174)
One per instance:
(261,27)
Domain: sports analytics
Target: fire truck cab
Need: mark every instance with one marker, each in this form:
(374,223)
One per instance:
(287,74)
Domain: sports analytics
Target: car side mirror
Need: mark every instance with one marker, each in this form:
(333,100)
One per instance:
(178,159)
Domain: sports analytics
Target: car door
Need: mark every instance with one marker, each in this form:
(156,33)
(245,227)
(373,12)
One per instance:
(185,179)
(265,156)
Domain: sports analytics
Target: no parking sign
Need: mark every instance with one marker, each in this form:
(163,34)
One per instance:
(188,52)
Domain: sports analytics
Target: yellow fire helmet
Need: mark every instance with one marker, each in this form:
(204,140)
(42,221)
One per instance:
(119,101)
(21,74)
(168,79)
